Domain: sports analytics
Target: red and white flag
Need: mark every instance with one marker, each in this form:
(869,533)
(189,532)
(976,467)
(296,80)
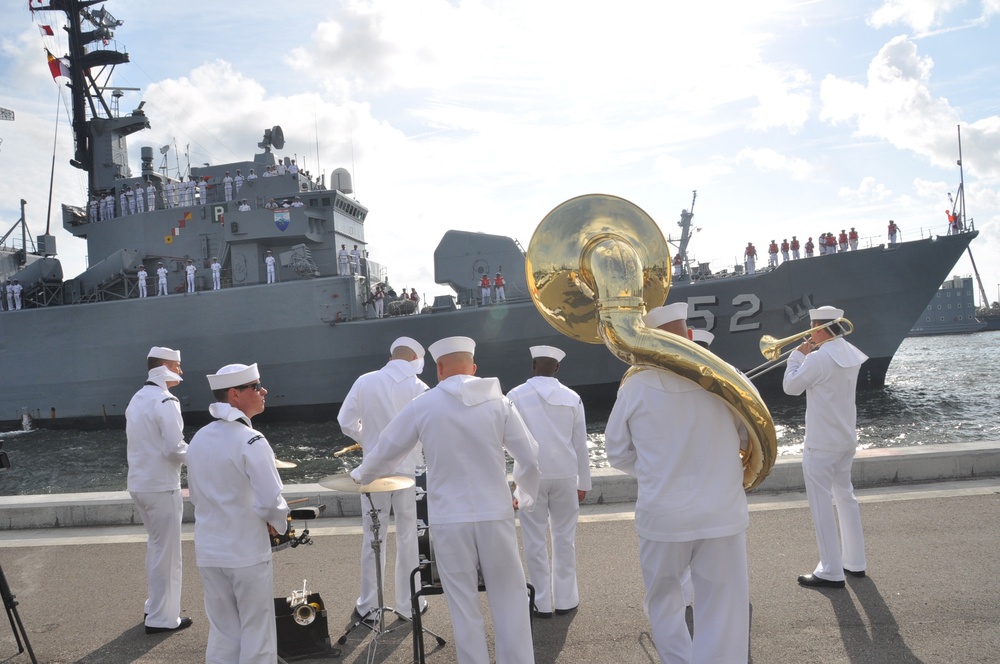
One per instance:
(58,66)
(46,30)
(34,5)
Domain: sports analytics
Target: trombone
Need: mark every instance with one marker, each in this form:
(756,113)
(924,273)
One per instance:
(772,348)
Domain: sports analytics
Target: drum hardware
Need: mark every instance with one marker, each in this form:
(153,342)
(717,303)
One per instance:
(9,600)
(374,620)
(289,538)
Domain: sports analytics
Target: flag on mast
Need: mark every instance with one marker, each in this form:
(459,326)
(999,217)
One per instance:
(58,66)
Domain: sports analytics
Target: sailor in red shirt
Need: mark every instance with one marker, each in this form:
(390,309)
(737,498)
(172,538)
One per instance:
(484,285)
(810,247)
(853,237)
(498,283)
(795,248)
(784,250)
(831,243)
(772,254)
(893,228)
(751,258)
(843,240)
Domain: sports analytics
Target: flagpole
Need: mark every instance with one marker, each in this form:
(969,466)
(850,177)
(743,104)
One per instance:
(52,173)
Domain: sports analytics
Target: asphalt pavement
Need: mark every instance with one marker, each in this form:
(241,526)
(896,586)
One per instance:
(932,593)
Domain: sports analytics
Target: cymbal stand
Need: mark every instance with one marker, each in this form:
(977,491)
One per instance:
(16,625)
(375,619)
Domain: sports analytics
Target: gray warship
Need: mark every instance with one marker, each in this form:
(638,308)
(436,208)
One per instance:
(74,354)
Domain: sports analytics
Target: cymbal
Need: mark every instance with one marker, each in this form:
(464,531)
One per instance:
(278,463)
(344,482)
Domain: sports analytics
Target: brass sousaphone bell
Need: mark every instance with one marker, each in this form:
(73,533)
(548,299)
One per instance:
(595,265)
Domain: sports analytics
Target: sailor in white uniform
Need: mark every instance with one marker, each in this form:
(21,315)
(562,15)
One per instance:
(374,399)
(123,199)
(10,295)
(216,274)
(227,185)
(16,288)
(150,195)
(238,180)
(141,277)
(554,415)
(161,280)
(682,445)
(154,430)
(465,423)
(269,262)
(189,270)
(93,210)
(102,208)
(355,260)
(829,377)
(130,197)
(343,260)
(237,500)
(140,198)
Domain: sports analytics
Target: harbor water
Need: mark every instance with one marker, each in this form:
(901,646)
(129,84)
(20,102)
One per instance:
(939,390)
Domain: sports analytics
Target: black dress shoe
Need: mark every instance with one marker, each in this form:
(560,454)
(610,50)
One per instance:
(562,612)
(541,614)
(185,623)
(811,581)
(856,575)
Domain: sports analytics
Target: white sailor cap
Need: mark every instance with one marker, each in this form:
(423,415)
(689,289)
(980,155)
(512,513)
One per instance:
(412,344)
(825,313)
(547,351)
(163,353)
(233,375)
(666,314)
(164,373)
(702,335)
(450,345)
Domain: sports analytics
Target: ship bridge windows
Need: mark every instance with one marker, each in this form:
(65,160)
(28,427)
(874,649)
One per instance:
(350,209)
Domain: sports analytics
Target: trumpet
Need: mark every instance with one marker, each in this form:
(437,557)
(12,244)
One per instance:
(774,349)
(303,611)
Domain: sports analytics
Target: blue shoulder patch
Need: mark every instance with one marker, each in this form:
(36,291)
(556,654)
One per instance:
(255,439)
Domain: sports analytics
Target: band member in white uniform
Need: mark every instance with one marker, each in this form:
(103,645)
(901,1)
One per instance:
(216,274)
(141,277)
(161,280)
(156,449)
(237,500)
(829,377)
(682,445)
(189,270)
(555,417)
(269,262)
(374,399)
(465,423)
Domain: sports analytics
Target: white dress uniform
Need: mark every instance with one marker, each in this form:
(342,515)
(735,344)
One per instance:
(216,275)
(161,280)
(189,270)
(156,449)
(140,199)
(829,377)
(10,296)
(374,399)
(141,277)
(682,445)
(123,199)
(102,208)
(189,192)
(555,417)
(269,262)
(17,288)
(343,262)
(238,181)
(465,423)
(236,492)
(227,185)
(130,197)
(355,261)
(151,197)
(93,210)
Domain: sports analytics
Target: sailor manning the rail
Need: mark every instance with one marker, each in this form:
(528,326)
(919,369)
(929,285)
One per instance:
(343,260)
(141,277)
(154,430)
(189,270)
(554,415)
(161,280)
(237,500)
(374,399)
(269,262)
(682,445)
(465,423)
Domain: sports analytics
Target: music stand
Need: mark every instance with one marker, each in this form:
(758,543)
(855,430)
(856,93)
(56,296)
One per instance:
(10,604)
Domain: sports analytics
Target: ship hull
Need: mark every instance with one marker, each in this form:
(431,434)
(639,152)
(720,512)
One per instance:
(80,364)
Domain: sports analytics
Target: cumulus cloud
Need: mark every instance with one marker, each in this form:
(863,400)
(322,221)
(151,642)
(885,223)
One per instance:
(919,15)
(767,159)
(868,191)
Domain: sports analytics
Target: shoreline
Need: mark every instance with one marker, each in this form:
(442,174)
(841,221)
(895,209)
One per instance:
(873,467)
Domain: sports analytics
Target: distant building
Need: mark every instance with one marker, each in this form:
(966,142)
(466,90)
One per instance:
(952,310)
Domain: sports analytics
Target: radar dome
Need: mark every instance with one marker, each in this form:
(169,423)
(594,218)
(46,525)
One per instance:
(340,180)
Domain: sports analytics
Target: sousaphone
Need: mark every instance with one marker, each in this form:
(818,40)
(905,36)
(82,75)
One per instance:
(595,265)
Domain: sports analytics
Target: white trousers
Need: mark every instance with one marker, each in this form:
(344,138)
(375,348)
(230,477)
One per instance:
(190,283)
(240,609)
(161,513)
(751,266)
(828,480)
(216,281)
(161,287)
(342,268)
(501,297)
(492,545)
(270,275)
(772,260)
(556,509)
(142,288)
(722,610)
(404,508)
(379,308)
(485,295)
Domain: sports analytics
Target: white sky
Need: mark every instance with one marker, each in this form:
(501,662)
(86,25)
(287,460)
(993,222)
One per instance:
(788,117)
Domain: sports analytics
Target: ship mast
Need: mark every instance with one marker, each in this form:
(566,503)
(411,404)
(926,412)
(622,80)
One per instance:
(99,136)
